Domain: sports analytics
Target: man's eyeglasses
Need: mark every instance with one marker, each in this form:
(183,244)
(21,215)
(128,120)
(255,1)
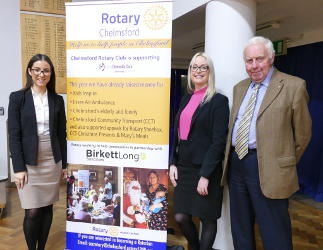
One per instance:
(38,71)
(202,68)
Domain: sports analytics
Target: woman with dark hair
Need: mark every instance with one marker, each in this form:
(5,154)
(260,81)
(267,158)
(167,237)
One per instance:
(157,208)
(195,170)
(37,141)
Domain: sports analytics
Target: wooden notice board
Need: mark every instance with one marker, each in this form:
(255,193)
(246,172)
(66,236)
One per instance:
(43,31)
(44,6)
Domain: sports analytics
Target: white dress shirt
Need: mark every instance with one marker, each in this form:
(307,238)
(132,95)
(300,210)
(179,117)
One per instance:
(42,112)
(252,141)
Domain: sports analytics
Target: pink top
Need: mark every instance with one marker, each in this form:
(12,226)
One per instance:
(185,119)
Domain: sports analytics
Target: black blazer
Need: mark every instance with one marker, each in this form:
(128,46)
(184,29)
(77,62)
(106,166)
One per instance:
(22,129)
(207,137)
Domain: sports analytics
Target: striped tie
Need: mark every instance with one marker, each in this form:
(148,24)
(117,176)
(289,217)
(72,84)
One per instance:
(243,129)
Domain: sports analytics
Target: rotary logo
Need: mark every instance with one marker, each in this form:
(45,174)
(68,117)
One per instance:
(114,231)
(156,17)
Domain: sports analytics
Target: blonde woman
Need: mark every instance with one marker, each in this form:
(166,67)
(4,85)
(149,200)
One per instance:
(196,159)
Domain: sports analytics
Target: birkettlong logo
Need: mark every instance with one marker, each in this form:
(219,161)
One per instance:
(101,155)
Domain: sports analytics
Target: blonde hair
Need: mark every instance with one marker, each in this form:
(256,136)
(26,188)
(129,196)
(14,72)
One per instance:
(211,81)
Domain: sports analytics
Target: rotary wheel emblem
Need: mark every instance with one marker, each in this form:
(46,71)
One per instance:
(156,17)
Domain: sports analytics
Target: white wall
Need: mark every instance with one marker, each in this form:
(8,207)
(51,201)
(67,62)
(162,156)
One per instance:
(10,68)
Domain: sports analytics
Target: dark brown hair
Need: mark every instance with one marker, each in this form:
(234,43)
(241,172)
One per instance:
(41,57)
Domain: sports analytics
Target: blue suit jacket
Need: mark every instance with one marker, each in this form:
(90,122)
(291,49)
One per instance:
(22,129)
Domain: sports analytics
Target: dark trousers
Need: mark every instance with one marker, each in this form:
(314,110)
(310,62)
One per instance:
(248,204)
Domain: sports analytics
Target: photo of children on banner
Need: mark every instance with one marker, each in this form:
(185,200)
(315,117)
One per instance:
(145,202)
(89,205)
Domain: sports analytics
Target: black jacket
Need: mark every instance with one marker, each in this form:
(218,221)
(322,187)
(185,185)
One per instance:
(22,129)
(207,137)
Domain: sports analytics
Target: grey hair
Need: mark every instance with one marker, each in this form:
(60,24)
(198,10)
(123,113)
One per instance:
(211,81)
(261,40)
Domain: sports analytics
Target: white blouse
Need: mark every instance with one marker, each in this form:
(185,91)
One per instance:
(42,112)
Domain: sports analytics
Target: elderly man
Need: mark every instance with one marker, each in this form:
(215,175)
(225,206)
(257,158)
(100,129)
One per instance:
(96,203)
(269,129)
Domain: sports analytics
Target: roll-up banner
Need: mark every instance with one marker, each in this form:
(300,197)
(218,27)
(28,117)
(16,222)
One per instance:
(118,87)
